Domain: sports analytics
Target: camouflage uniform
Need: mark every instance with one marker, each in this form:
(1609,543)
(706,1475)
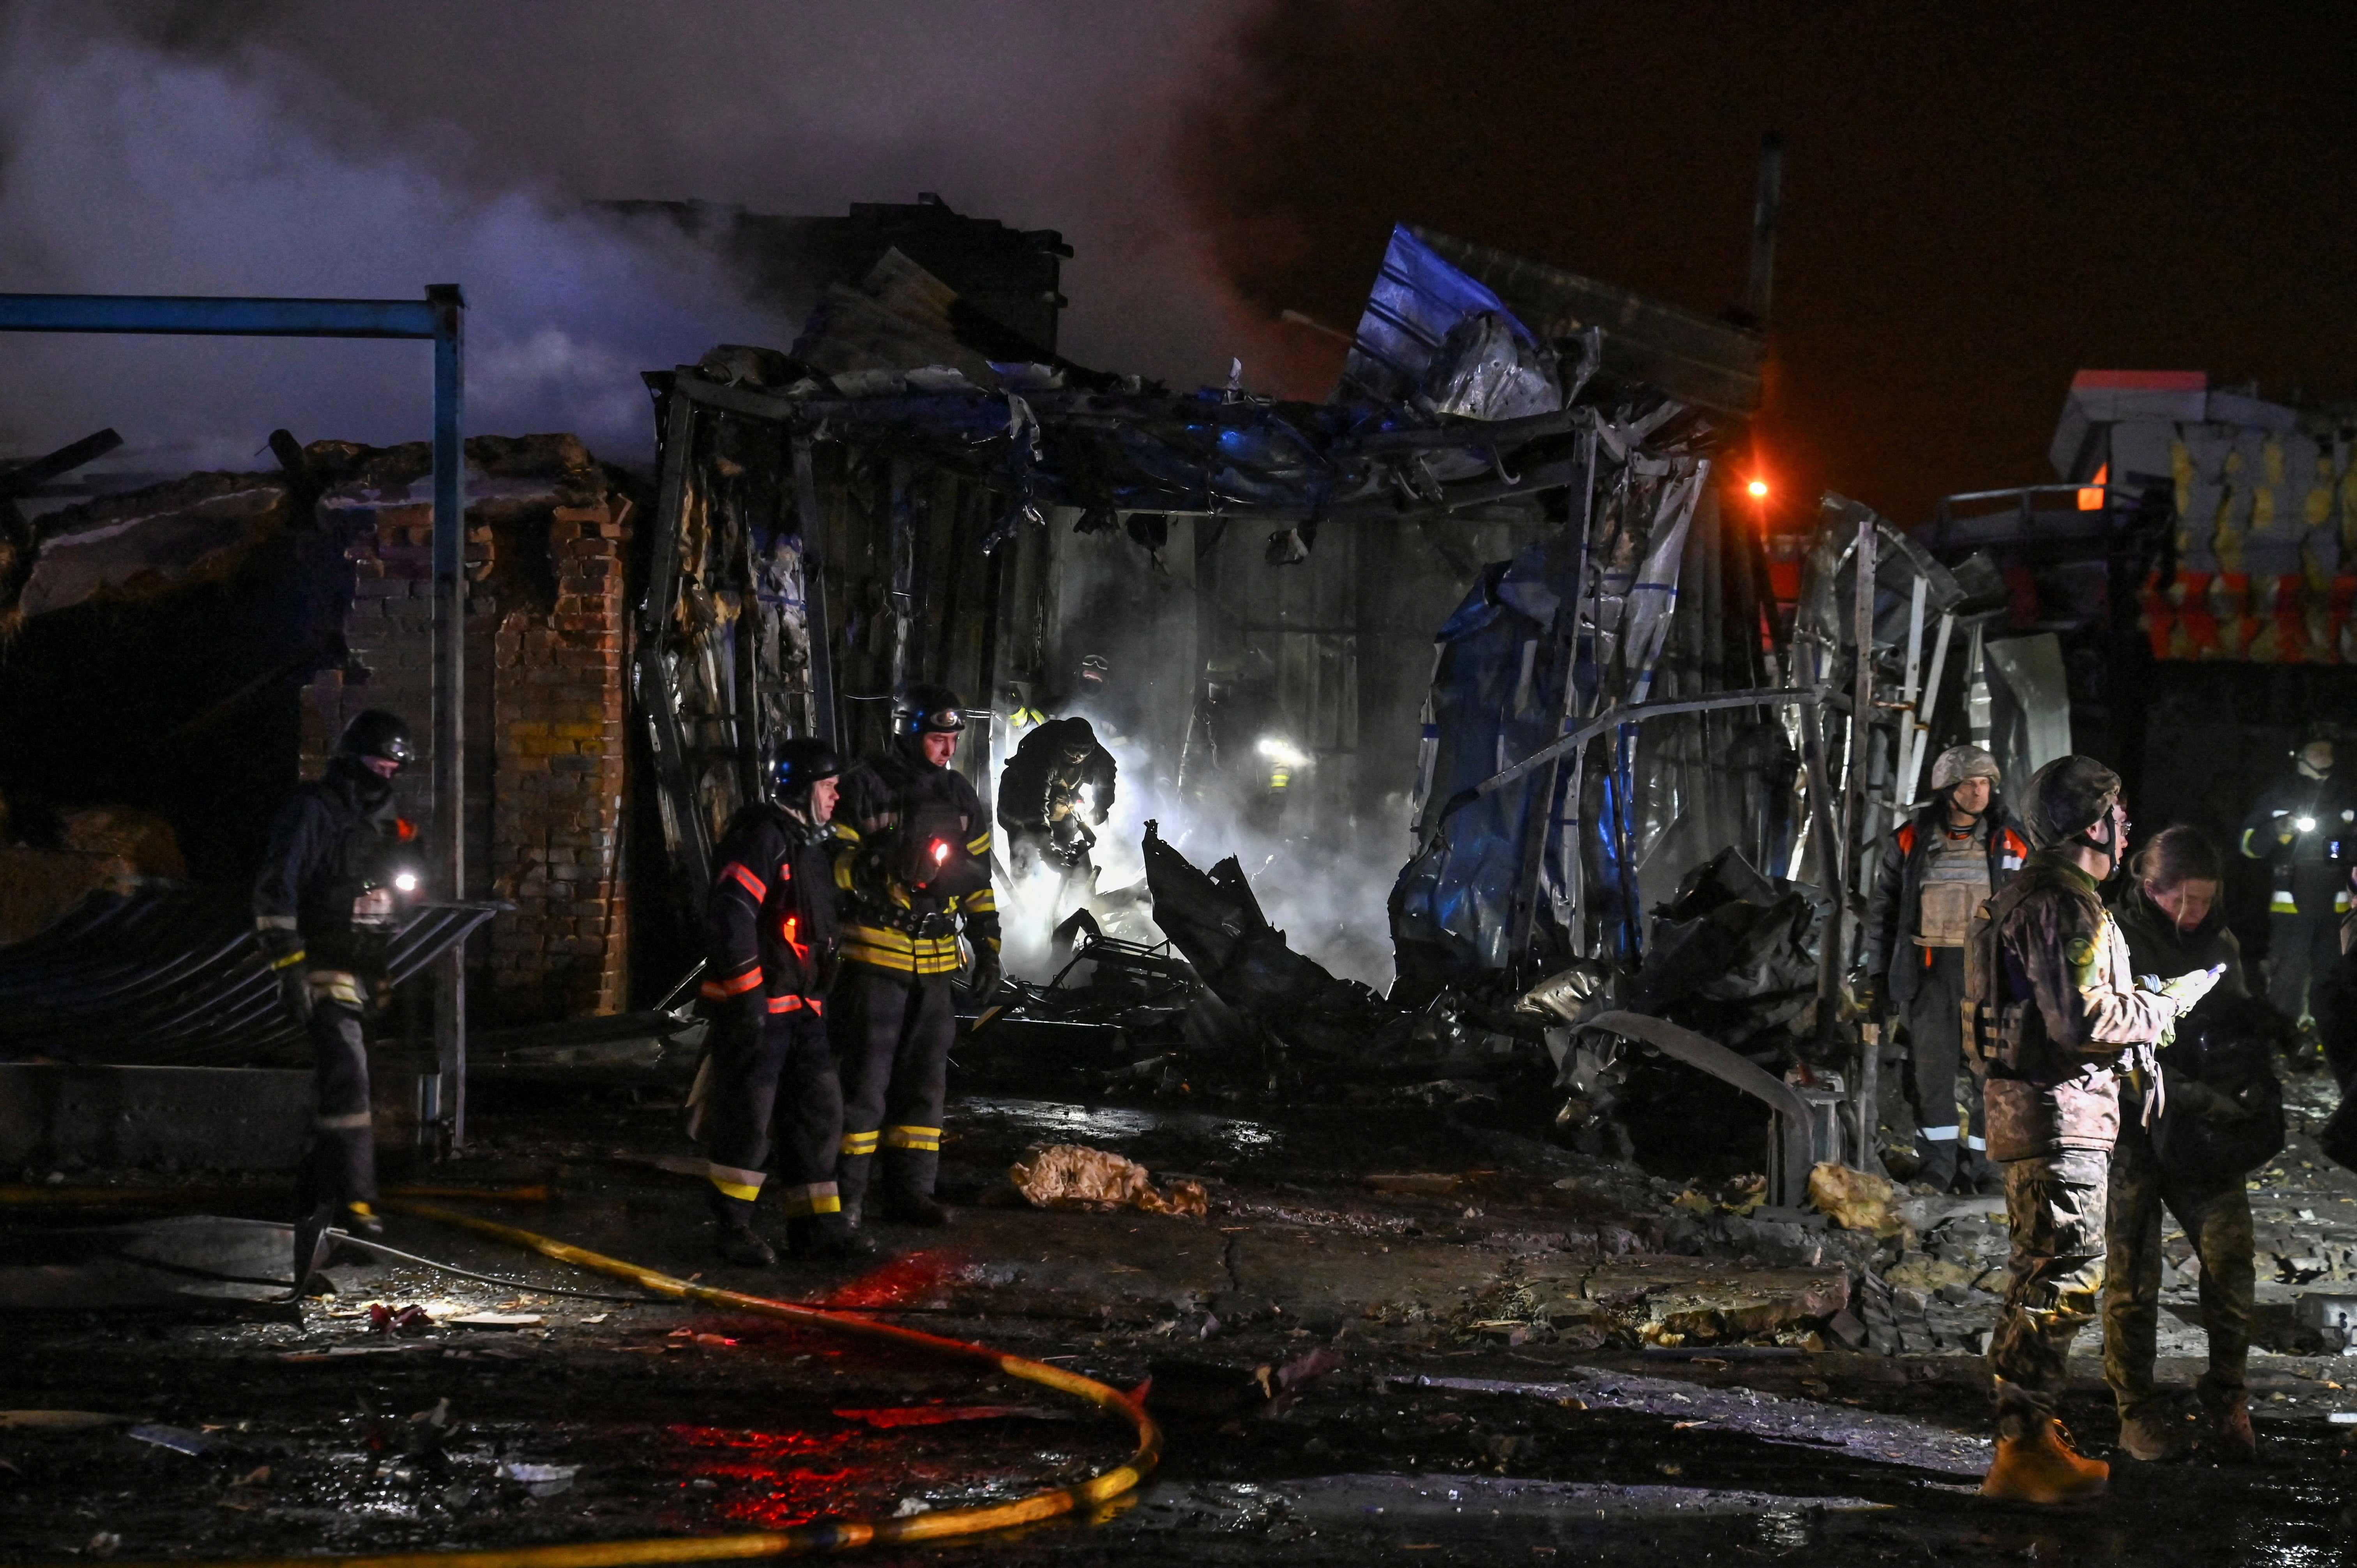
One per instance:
(2055,1006)
(2216,1215)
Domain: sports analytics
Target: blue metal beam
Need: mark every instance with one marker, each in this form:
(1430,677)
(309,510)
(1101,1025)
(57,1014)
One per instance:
(200,315)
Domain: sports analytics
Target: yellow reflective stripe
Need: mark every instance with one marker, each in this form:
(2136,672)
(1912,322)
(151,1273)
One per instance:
(362,1209)
(724,1176)
(927,1138)
(818,1198)
(290,960)
(737,1190)
(2283,904)
(979,847)
(860,1143)
(336,985)
(984,902)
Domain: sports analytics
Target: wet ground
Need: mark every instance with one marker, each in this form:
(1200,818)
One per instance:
(1540,1358)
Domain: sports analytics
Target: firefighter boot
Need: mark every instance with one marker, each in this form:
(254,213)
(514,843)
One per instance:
(313,1243)
(907,1205)
(826,1237)
(2228,1424)
(733,1236)
(2042,1466)
(909,1176)
(2149,1434)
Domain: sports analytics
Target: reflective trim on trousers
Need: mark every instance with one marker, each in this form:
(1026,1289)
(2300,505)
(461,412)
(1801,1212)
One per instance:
(818,1198)
(860,1143)
(336,986)
(1943,1134)
(925,1138)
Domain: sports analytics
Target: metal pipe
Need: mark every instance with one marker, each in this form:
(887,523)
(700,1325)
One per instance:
(1926,705)
(449,307)
(1908,688)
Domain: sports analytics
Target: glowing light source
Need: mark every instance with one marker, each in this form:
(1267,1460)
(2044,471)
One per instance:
(1282,752)
(2091,496)
(941,851)
(1756,490)
(2305,825)
(406,882)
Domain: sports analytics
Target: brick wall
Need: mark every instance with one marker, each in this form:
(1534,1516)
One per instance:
(547,532)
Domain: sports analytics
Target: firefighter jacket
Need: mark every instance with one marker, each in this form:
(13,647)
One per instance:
(1895,913)
(1040,785)
(913,864)
(2311,872)
(2050,1003)
(324,898)
(769,926)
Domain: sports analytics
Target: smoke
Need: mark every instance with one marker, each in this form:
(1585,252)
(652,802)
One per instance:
(361,150)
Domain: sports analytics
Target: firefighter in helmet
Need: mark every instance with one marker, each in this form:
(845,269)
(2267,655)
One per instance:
(2305,827)
(914,872)
(339,866)
(1936,870)
(1055,789)
(2056,1021)
(769,1079)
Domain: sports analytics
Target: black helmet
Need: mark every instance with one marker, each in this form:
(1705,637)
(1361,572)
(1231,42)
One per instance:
(928,710)
(377,733)
(2069,796)
(1079,733)
(801,762)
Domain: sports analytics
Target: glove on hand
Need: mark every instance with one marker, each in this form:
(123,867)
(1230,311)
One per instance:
(989,974)
(2185,990)
(284,949)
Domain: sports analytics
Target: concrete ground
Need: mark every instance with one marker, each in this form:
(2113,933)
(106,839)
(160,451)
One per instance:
(1540,1356)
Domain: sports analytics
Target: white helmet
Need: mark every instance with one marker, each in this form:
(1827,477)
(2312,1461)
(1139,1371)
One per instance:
(1959,763)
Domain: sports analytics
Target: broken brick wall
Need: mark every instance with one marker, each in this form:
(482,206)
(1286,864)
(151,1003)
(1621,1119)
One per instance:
(547,532)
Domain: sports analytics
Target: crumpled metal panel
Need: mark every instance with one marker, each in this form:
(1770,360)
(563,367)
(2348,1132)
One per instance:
(174,976)
(1417,298)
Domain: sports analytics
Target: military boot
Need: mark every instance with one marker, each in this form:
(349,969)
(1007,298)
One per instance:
(2227,1425)
(2042,1466)
(2149,1433)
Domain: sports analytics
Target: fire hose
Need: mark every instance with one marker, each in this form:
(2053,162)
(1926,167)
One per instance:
(827,1535)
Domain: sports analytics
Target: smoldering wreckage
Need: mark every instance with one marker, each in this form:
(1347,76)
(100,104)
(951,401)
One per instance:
(1474,642)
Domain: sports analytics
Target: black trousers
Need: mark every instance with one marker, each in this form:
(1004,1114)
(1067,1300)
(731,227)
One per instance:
(2300,948)
(777,1090)
(892,1035)
(1935,1059)
(339,1167)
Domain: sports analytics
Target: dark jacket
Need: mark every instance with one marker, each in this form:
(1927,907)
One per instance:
(2053,1003)
(335,839)
(1038,779)
(913,864)
(2222,1115)
(1894,909)
(2311,873)
(770,925)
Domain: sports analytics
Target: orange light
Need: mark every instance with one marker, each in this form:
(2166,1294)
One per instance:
(1756,490)
(2091,498)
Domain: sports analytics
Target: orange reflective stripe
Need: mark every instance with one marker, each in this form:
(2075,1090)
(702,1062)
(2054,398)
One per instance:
(721,990)
(818,1007)
(785,1004)
(752,883)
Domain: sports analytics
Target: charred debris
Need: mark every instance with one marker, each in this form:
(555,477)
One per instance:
(1642,782)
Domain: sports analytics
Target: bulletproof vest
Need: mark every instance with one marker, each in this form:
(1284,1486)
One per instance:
(2002,1023)
(1956,882)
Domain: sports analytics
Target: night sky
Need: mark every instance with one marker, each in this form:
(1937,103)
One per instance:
(1977,200)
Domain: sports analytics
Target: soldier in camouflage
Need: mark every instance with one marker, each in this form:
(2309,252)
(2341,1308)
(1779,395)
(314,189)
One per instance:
(2053,1016)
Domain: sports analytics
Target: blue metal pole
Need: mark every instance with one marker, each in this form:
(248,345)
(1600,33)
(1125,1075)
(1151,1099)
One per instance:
(449,311)
(218,317)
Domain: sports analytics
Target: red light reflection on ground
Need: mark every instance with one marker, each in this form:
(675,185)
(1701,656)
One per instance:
(801,1497)
(902,1281)
(781,1495)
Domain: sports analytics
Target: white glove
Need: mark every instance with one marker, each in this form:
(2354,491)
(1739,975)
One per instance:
(2185,990)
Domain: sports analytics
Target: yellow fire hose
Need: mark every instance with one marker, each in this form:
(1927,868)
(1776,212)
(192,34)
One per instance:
(836,1535)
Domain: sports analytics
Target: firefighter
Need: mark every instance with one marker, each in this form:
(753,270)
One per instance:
(2054,1012)
(2305,827)
(339,861)
(2173,926)
(914,869)
(1055,789)
(1936,870)
(769,931)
